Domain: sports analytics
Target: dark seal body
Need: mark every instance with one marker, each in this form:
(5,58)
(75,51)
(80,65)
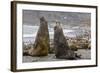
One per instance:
(61,46)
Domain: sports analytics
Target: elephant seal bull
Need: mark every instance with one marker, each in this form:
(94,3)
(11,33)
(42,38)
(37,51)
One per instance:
(41,44)
(62,50)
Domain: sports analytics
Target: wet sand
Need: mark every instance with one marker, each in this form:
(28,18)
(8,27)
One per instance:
(85,54)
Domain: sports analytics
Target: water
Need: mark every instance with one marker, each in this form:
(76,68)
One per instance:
(28,40)
(29,33)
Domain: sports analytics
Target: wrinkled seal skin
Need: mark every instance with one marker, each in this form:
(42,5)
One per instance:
(62,50)
(41,44)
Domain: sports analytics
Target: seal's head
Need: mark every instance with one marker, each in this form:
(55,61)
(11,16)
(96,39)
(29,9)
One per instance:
(42,19)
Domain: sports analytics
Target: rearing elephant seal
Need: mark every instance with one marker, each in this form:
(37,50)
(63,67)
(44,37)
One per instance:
(41,44)
(62,50)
